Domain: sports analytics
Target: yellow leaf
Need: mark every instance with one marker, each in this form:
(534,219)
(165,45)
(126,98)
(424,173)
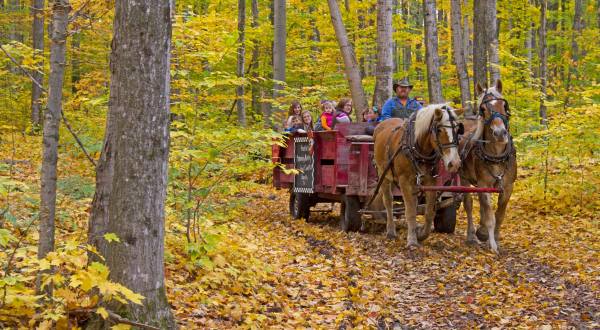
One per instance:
(103,312)
(120,326)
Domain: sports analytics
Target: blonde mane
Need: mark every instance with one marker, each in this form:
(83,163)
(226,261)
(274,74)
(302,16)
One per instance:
(425,118)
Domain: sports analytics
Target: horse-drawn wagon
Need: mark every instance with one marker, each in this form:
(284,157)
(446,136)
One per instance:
(337,167)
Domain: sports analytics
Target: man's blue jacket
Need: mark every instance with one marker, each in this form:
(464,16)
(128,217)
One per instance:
(393,108)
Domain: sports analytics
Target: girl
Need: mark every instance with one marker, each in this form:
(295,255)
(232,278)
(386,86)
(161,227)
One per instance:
(295,110)
(326,118)
(307,122)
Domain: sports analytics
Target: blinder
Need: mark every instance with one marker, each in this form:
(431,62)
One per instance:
(457,129)
(494,114)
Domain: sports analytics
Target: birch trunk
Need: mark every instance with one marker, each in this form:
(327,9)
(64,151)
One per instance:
(58,38)
(139,147)
(279,41)
(241,54)
(459,56)
(37,11)
(383,82)
(352,70)
(543,61)
(434,81)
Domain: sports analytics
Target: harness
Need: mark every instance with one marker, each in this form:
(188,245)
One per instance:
(410,148)
(478,146)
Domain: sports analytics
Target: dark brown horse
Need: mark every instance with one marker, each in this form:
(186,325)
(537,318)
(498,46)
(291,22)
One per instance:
(406,153)
(489,160)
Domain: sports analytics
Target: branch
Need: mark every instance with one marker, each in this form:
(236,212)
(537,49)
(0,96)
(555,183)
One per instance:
(113,316)
(62,114)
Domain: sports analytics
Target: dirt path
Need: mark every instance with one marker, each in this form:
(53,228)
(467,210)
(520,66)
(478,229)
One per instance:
(316,276)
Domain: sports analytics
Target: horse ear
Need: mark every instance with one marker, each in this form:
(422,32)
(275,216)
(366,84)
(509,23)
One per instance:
(499,86)
(439,113)
(478,89)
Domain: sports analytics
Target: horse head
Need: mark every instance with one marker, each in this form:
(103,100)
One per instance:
(494,113)
(444,129)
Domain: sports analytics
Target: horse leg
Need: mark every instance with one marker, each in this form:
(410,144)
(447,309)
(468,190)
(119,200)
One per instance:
(503,199)
(388,202)
(481,232)
(430,198)
(485,202)
(410,211)
(468,204)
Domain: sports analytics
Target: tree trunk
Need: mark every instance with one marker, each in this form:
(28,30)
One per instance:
(492,40)
(279,55)
(543,61)
(577,28)
(479,44)
(466,34)
(459,56)
(406,50)
(383,82)
(241,54)
(352,70)
(58,39)
(529,48)
(138,147)
(37,12)
(255,58)
(434,80)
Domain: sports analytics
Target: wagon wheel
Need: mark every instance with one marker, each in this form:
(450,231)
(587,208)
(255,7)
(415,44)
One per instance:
(445,219)
(299,205)
(351,218)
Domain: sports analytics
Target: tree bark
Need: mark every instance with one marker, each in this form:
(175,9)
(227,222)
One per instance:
(255,58)
(434,80)
(352,70)
(492,40)
(479,44)
(279,43)
(385,44)
(459,56)
(37,11)
(58,39)
(466,34)
(543,61)
(529,48)
(138,149)
(406,50)
(241,54)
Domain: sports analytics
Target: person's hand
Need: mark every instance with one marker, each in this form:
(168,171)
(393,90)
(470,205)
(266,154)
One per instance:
(371,115)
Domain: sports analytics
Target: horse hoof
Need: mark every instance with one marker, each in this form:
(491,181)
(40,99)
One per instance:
(391,236)
(482,234)
(412,245)
(471,241)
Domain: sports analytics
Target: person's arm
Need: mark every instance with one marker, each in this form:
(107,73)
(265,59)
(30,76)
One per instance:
(386,111)
(324,123)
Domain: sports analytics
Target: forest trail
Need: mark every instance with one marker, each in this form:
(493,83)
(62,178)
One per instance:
(290,274)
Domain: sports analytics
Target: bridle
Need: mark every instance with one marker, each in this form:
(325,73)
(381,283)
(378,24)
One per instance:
(457,129)
(494,114)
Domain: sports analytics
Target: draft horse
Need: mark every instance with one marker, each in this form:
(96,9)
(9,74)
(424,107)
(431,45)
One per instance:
(407,153)
(489,160)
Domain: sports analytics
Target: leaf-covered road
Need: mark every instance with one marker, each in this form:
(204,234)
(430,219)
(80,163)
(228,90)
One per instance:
(278,272)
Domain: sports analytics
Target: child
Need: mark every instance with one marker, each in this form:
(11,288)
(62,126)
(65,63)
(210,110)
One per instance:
(293,112)
(326,118)
(295,125)
(307,124)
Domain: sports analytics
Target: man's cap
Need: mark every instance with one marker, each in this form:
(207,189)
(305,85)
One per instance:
(402,83)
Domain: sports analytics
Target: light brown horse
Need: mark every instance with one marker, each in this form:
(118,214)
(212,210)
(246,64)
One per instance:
(489,160)
(406,152)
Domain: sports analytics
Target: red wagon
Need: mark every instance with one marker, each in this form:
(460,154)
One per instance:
(339,167)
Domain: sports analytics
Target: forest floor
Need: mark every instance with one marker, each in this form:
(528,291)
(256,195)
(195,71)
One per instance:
(265,270)
(273,271)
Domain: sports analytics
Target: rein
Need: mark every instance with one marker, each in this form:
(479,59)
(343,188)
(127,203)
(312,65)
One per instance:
(410,148)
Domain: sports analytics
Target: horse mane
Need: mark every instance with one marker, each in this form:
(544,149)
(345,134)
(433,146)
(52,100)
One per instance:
(425,118)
